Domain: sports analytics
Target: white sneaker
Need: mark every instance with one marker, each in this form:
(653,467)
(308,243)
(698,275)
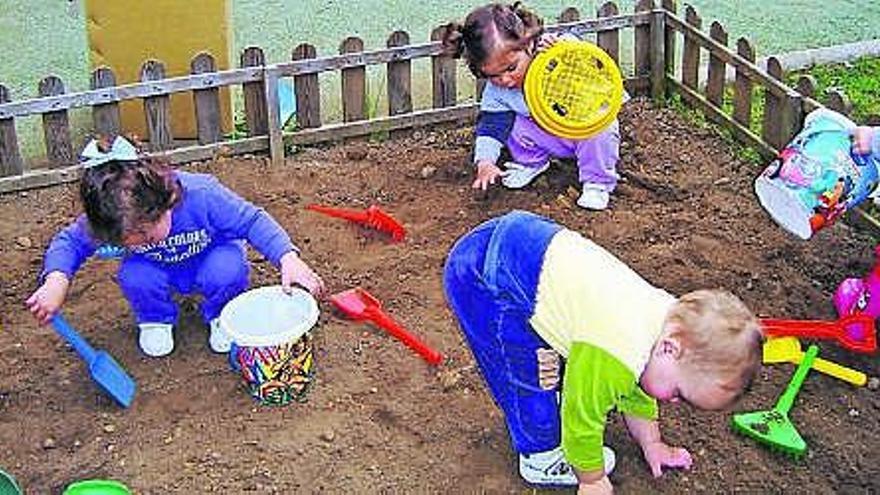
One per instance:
(219,340)
(156,339)
(593,197)
(518,176)
(551,468)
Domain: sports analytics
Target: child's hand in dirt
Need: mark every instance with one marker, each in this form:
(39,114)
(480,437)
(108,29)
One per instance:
(546,40)
(548,368)
(862,139)
(487,173)
(295,271)
(599,487)
(48,298)
(658,455)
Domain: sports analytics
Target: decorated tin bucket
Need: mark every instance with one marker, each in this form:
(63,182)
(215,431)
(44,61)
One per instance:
(816,178)
(272,347)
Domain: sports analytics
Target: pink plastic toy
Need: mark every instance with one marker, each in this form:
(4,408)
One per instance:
(860,295)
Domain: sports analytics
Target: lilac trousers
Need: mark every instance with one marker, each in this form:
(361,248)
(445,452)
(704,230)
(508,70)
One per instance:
(218,274)
(596,157)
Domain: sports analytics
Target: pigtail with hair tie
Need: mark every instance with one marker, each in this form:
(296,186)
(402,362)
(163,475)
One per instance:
(534,25)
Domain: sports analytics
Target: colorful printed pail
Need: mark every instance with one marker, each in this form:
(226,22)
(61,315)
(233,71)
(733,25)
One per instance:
(816,178)
(272,347)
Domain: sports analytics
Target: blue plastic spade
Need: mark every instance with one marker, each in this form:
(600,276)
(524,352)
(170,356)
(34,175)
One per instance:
(106,372)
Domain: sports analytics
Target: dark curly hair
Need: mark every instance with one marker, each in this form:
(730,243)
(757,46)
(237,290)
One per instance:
(488,29)
(122,196)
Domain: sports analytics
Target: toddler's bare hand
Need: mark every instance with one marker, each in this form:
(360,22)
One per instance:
(659,455)
(862,139)
(295,271)
(548,368)
(487,174)
(599,487)
(48,298)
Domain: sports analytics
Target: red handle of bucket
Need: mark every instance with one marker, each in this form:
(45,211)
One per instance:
(388,324)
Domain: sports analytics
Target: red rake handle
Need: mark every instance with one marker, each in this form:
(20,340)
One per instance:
(344,213)
(854,332)
(388,324)
(816,329)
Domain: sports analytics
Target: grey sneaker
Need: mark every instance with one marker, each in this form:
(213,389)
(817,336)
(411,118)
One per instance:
(551,468)
(156,339)
(593,197)
(518,176)
(219,340)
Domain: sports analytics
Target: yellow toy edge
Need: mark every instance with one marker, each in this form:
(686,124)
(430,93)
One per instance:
(556,128)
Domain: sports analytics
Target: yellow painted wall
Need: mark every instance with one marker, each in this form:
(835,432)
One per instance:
(123,34)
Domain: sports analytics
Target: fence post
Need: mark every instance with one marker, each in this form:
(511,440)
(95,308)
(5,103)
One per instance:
(206,101)
(771,127)
(156,109)
(642,35)
(690,60)
(837,100)
(399,78)
(254,93)
(443,69)
(658,57)
(56,127)
(354,83)
(273,116)
(307,90)
(10,157)
(792,117)
(742,89)
(670,7)
(105,117)
(717,67)
(806,86)
(609,40)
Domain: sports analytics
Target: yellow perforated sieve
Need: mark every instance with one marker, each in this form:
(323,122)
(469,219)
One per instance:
(573,89)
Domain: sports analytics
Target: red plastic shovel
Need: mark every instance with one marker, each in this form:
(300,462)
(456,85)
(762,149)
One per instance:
(854,332)
(372,217)
(359,304)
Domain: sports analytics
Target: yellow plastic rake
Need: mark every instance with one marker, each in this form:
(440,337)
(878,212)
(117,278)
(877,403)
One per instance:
(788,350)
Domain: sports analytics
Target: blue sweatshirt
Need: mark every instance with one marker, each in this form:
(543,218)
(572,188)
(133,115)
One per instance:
(208,213)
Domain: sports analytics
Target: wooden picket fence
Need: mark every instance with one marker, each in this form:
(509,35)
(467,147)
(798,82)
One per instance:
(784,108)
(655,30)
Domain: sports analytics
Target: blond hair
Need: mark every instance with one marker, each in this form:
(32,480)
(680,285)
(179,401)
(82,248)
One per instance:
(719,335)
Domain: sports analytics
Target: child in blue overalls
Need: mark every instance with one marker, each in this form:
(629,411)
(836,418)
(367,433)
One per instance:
(523,287)
(178,232)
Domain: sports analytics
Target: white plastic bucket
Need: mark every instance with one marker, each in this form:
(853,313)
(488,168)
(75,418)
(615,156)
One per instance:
(272,346)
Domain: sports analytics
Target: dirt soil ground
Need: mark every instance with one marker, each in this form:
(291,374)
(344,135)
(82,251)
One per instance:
(379,419)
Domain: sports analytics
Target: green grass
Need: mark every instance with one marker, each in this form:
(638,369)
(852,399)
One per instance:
(860,80)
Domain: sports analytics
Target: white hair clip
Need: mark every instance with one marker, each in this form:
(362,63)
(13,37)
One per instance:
(121,149)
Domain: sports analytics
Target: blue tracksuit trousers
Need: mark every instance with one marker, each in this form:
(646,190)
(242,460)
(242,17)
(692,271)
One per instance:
(219,274)
(491,279)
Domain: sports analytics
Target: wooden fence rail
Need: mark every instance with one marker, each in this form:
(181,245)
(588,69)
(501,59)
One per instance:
(259,83)
(784,108)
(655,29)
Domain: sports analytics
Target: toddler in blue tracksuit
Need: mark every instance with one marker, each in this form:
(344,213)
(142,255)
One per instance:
(177,232)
